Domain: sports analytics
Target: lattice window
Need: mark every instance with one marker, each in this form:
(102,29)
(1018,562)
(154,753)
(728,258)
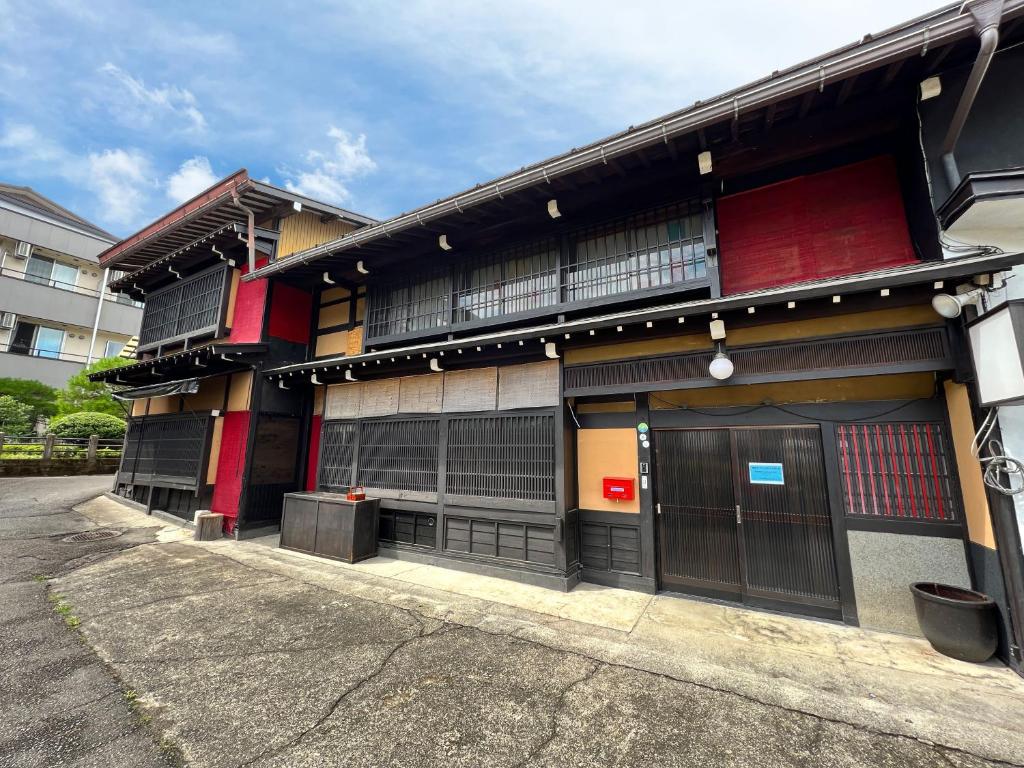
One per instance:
(399,454)
(337,450)
(192,306)
(510,457)
(166,447)
(656,248)
(420,303)
(897,470)
(518,280)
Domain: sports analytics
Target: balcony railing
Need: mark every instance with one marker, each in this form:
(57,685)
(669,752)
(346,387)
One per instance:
(46,354)
(117,298)
(188,309)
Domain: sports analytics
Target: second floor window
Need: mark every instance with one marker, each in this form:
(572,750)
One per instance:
(650,250)
(36,340)
(186,309)
(655,249)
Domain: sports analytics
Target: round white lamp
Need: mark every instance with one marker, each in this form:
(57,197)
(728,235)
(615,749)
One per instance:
(721,367)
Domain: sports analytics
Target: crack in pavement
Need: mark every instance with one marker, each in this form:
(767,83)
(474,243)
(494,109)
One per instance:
(703,686)
(557,711)
(295,741)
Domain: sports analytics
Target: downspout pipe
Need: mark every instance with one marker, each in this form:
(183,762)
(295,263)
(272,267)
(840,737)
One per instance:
(251,235)
(987,14)
(96,321)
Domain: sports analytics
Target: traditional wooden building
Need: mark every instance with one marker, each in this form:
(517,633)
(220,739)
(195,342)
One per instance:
(698,356)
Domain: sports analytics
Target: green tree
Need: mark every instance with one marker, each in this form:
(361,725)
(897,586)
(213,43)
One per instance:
(41,398)
(15,417)
(80,394)
(86,424)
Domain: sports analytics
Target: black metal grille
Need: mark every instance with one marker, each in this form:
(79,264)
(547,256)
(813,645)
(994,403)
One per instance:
(337,450)
(518,280)
(895,348)
(399,454)
(420,303)
(165,449)
(656,248)
(510,457)
(896,471)
(190,307)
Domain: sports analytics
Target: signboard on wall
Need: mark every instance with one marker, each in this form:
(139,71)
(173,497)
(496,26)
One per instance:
(765,473)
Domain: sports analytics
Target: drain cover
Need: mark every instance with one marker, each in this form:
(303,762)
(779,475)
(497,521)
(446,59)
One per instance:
(99,534)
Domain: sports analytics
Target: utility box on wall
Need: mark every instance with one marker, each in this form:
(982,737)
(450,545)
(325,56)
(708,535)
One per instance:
(618,488)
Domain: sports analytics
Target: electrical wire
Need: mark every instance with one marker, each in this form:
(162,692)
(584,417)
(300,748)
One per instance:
(676,406)
(997,463)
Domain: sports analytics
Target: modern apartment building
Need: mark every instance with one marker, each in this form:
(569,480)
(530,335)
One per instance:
(720,353)
(56,314)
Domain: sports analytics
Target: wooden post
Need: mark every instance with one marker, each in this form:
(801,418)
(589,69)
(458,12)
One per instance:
(90,454)
(48,446)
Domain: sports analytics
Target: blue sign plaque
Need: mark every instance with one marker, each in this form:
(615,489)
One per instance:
(762,473)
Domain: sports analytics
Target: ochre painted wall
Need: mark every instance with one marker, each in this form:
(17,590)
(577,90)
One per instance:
(962,427)
(218,432)
(334,315)
(838,222)
(332,344)
(604,453)
(305,230)
(240,391)
(897,386)
(875,320)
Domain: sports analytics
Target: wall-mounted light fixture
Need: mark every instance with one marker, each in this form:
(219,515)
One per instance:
(952,305)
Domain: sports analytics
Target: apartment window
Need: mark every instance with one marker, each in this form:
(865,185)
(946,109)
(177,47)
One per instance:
(518,280)
(36,340)
(653,249)
(896,471)
(113,348)
(46,271)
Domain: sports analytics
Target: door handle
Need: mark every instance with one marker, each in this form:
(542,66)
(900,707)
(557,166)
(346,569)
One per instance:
(739,517)
(658,507)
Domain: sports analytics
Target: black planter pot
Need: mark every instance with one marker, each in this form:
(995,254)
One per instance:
(957,622)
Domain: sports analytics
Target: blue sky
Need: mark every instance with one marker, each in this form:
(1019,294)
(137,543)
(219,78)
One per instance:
(120,111)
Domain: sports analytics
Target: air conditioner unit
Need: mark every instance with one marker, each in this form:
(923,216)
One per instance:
(23,251)
(8,320)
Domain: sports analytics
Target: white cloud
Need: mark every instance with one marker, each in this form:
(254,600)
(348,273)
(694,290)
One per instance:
(191,178)
(122,180)
(327,174)
(135,104)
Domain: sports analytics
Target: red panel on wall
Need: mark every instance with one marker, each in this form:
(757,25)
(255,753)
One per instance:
(838,222)
(290,311)
(314,454)
(247,324)
(231,466)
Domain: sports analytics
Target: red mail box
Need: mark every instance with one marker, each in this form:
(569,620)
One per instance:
(618,488)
